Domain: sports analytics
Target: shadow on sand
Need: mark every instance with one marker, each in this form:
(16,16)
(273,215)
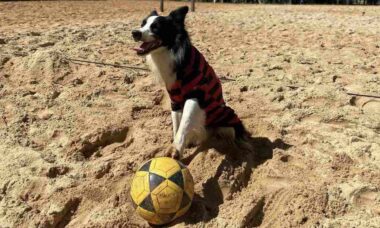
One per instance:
(206,207)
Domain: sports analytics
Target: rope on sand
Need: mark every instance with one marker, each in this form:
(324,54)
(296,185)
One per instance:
(222,78)
(106,64)
(348,93)
(123,66)
(363,95)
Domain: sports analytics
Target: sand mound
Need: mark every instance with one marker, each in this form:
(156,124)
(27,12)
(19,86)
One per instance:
(46,64)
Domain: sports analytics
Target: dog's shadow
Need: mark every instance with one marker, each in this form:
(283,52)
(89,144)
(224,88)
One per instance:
(206,207)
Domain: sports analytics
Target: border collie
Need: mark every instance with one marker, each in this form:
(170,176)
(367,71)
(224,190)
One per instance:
(198,108)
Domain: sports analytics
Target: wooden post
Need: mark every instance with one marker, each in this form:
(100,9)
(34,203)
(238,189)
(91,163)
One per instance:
(192,5)
(162,5)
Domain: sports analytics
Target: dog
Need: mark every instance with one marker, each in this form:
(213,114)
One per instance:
(198,108)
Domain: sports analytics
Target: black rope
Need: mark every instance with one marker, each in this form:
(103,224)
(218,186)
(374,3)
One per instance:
(128,67)
(363,95)
(107,64)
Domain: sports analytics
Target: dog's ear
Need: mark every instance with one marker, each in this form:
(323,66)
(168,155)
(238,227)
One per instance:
(179,14)
(153,13)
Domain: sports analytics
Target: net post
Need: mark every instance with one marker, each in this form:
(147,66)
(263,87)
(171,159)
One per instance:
(162,5)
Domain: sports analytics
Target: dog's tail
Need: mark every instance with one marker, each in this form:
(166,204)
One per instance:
(242,137)
(236,135)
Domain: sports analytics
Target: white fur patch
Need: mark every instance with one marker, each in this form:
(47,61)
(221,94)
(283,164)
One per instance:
(192,125)
(161,62)
(176,120)
(147,35)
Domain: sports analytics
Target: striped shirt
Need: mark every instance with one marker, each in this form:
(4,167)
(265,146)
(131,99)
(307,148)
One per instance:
(198,80)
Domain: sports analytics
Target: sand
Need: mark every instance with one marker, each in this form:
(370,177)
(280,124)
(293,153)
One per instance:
(72,135)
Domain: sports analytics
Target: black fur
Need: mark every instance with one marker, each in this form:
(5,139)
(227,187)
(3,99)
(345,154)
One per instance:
(171,31)
(153,13)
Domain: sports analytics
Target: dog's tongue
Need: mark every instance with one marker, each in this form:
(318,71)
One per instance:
(143,47)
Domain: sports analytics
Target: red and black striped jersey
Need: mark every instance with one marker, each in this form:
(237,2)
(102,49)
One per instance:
(198,80)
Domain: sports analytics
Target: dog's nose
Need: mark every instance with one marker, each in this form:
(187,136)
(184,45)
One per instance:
(136,34)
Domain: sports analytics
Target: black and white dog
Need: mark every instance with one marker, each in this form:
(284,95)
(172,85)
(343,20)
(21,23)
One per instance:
(198,107)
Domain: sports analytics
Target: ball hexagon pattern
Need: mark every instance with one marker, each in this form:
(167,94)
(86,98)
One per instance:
(162,190)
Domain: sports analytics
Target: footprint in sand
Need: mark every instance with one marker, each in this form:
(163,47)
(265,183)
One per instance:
(372,107)
(369,199)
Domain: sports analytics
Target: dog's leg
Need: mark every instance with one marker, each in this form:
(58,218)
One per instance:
(176,118)
(192,122)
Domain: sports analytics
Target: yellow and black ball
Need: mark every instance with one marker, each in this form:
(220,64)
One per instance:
(162,190)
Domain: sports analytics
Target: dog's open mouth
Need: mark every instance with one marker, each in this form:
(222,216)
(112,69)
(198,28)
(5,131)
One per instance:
(147,47)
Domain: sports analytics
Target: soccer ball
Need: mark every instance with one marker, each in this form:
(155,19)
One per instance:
(162,190)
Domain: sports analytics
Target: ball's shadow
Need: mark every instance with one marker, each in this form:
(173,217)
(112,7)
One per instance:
(206,207)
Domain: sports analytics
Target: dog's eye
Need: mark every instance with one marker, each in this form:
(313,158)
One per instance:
(154,27)
(143,23)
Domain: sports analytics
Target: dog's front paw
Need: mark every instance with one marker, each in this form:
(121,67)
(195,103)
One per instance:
(172,152)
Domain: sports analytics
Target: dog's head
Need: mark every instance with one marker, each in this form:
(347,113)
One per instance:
(159,31)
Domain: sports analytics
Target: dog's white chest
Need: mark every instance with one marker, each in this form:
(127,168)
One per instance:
(161,62)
